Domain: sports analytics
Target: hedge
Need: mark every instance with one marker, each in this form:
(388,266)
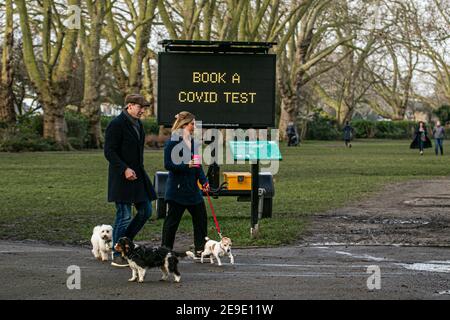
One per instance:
(325,128)
(384,129)
(27,134)
(322,128)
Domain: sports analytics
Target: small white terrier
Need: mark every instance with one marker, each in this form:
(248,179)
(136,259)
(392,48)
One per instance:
(102,242)
(217,249)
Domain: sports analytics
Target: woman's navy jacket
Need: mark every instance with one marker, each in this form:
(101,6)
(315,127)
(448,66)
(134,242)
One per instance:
(182,182)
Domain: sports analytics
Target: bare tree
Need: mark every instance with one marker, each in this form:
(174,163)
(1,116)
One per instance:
(312,43)
(268,21)
(50,75)
(7,112)
(392,72)
(433,32)
(90,40)
(127,56)
(126,62)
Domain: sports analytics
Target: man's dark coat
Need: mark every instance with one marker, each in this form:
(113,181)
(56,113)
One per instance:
(123,149)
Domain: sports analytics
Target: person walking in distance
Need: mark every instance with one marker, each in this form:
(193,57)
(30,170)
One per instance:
(348,134)
(292,134)
(439,135)
(421,140)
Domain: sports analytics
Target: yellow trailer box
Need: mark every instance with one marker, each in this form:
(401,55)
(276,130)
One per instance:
(238,180)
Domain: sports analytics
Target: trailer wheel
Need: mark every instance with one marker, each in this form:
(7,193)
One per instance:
(267,209)
(161,208)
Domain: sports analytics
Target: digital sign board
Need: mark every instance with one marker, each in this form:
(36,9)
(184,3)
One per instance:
(221,90)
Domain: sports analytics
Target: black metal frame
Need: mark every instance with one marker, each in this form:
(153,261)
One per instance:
(216,46)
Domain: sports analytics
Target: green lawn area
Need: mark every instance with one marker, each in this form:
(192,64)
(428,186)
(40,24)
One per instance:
(61,196)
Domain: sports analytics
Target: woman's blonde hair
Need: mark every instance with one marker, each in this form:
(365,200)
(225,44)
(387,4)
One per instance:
(181,119)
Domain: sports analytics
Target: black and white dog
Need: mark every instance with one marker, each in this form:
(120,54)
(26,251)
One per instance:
(141,258)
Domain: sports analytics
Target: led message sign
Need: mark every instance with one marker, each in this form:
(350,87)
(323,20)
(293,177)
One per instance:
(221,90)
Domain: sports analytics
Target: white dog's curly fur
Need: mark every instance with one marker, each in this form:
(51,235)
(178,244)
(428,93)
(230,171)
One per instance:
(102,242)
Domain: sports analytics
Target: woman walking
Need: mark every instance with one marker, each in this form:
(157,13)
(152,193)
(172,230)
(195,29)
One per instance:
(182,191)
(421,139)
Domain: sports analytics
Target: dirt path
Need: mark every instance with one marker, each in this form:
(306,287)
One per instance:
(409,213)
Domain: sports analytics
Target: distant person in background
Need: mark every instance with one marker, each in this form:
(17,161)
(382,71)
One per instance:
(348,134)
(421,139)
(292,134)
(439,135)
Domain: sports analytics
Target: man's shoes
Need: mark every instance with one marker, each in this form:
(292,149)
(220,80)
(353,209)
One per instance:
(119,262)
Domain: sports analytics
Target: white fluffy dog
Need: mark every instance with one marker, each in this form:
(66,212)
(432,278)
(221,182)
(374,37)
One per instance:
(217,249)
(102,242)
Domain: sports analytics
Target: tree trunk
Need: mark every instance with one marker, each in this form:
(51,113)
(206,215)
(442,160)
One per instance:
(345,113)
(147,90)
(289,113)
(91,100)
(399,114)
(303,129)
(96,139)
(93,75)
(91,109)
(7,113)
(55,127)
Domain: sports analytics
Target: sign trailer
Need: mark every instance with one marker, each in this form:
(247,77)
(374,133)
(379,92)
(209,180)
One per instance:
(226,85)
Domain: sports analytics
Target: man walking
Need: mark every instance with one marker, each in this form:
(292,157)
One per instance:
(128,183)
(439,135)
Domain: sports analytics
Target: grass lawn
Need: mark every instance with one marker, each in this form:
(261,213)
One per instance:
(61,196)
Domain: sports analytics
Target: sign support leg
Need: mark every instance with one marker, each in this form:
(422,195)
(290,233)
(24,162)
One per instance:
(255,199)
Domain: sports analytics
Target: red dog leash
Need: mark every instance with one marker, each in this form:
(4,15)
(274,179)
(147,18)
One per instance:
(214,215)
